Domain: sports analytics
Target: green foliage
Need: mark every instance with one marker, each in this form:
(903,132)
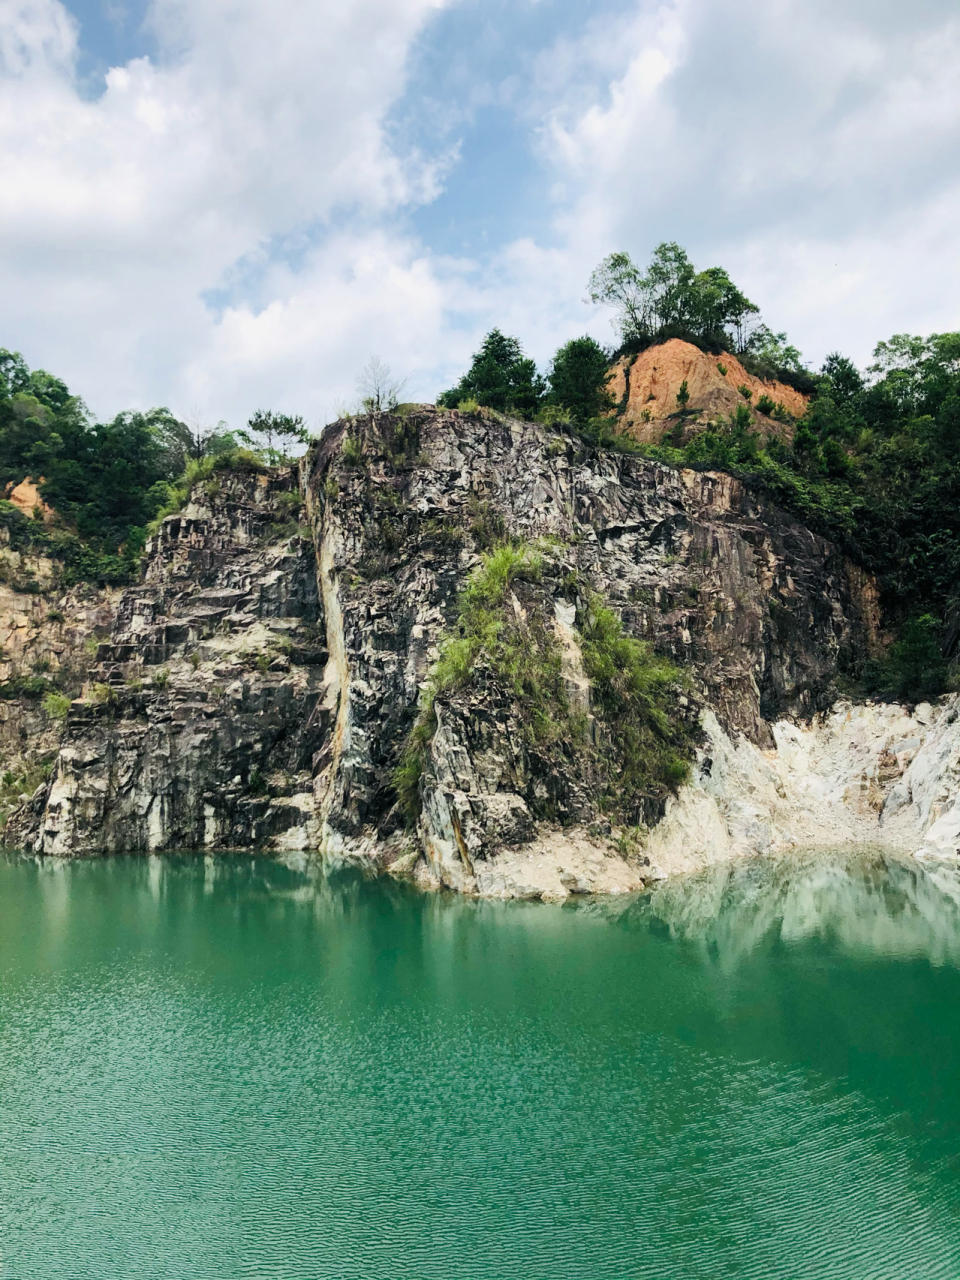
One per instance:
(279,433)
(500,377)
(20,686)
(554,415)
(81,561)
(487,525)
(634,693)
(56,705)
(352,451)
(469,405)
(105,480)
(875,466)
(15,783)
(914,667)
(683,395)
(645,746)
(524,655)
(578,380)
(672,300)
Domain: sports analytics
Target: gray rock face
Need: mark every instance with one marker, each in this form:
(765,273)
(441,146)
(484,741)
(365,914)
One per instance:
(295,645)
(202,717)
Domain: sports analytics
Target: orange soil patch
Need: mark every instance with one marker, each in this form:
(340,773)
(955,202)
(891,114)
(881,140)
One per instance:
(26,496)
(655,376)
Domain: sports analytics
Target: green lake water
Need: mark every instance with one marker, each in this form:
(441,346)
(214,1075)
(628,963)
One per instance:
(233,1068)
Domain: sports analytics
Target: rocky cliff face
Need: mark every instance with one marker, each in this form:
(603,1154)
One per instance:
(47,635)
(259,686)
(201,713)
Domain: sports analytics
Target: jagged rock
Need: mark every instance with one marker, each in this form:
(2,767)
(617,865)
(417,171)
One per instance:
(262,679)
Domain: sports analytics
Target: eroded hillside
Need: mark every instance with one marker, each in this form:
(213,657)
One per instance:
(646,387)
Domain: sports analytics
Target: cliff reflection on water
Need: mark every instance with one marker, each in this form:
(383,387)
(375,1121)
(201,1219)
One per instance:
(866,903)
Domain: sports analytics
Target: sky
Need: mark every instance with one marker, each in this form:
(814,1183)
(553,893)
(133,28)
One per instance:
(225,205)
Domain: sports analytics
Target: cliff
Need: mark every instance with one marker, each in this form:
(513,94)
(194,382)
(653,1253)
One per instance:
(646,386)
(260,686)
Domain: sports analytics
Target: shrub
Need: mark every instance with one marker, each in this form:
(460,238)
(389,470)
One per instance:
(765,405)
(634,692)
(56,705)
(468,405)
(525,657)
(745,391)
(914,666)
(352,451)
(554,415)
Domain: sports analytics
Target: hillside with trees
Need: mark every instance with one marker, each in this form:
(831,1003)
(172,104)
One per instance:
(106,481)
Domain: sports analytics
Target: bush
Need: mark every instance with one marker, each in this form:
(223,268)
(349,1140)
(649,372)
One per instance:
(56,705)
(525,657)
(914,667)
(352,451)
(635,693)
(645,743)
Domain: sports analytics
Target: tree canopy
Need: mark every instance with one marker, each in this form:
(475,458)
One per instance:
(501,377)
(105,480)
(671,299)
(578,379)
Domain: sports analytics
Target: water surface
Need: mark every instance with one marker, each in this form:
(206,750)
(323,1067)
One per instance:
(235,1069)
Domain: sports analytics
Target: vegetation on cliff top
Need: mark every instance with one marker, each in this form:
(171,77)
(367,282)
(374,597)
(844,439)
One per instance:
(105,480)
(875,466)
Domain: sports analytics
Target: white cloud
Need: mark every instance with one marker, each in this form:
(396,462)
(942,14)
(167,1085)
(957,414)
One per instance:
(223,228)
(117,215)
(805,146)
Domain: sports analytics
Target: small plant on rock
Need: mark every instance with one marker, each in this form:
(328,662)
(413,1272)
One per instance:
(352,451)
(56,705)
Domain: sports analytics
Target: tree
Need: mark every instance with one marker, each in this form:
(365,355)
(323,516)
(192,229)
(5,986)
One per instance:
(501,377)
(672,300)
(578,379)
(379,392)
(283,428)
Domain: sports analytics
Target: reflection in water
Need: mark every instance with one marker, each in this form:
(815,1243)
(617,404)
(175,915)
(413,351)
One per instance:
(866,903)
(219,1068)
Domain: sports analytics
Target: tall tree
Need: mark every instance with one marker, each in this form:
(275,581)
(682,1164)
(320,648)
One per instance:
(578,379)
(501,377)
(672,300)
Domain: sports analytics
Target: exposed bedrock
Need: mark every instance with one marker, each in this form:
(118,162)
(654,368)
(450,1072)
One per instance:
(259,685)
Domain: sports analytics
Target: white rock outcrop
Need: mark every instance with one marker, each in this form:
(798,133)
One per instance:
(871,773)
